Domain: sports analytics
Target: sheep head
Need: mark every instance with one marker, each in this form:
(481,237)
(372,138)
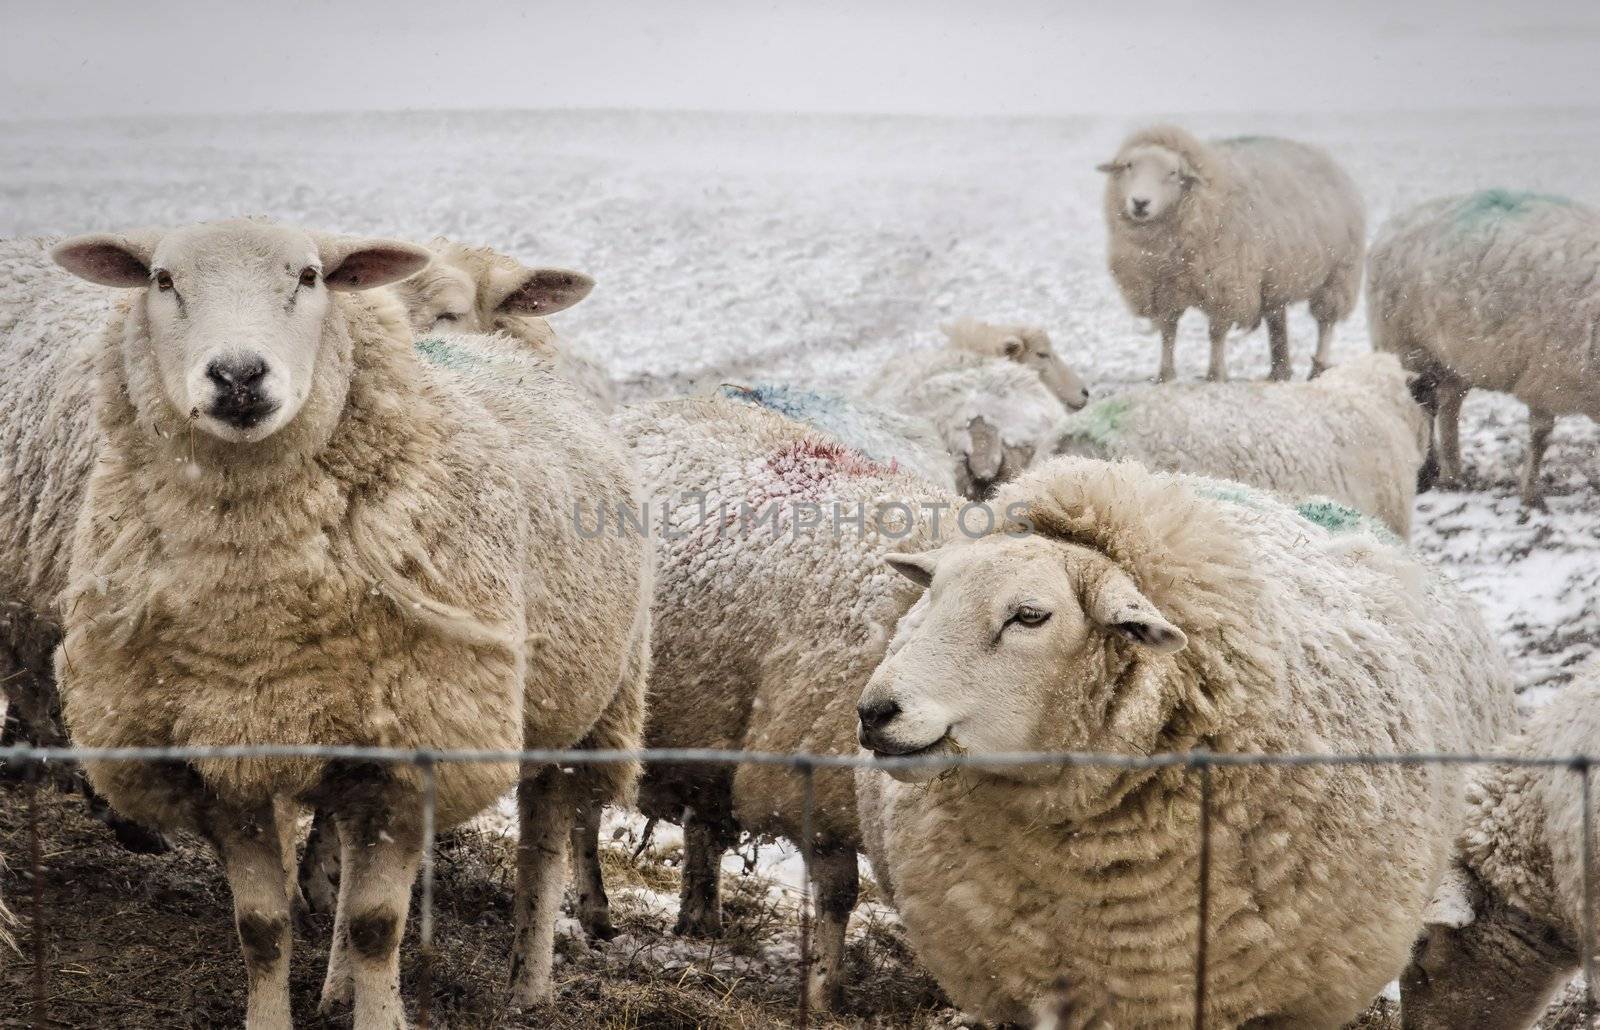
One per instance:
(1149,181)
(477,290)
(235,312)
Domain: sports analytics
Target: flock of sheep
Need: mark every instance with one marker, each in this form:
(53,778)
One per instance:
(282,487)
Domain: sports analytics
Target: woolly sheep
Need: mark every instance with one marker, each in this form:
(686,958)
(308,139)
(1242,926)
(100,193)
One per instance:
(1505,928)
(875,432)
(1354,434)
(994,415)
(479,290)
(1138,613)
(766,633)
(1239,228)
(1029,346)
(48,321)
(298,531)
(1493,290)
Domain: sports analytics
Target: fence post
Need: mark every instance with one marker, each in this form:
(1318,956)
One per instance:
(807,833)
(1202,765)
(425,917)
(1586,924)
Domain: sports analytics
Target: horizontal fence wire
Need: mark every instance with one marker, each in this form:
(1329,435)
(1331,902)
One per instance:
(426,760)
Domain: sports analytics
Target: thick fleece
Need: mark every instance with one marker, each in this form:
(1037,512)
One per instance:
(1013,887)
(1505,930)
(1262,223)
(1495,290)
(766,631)
(1354,434)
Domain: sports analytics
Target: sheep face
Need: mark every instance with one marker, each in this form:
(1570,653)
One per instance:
(1031,347)
(1497,972)
(1010,649)
(1150,181)
(473,289)
(235,313)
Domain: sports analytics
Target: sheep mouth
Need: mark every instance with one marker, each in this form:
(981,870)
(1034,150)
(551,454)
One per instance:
(943,746)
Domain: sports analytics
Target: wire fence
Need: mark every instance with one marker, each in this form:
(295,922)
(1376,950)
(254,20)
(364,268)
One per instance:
(1199,763)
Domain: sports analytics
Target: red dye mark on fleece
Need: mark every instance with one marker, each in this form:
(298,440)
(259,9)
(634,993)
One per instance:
(810,462)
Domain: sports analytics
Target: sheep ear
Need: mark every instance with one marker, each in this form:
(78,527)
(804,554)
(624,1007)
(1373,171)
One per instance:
(918,568)
(1189,176)
(108,259)
(1013,347)
(352,263)
(543,291)
(1455,901)
(1119,608)
(986,453)
(1110,167)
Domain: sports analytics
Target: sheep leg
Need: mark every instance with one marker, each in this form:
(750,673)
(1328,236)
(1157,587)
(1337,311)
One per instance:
(382,850)
(319,867)
(337,985)
(594,907)
(1217,371)
(835,884)
(1323,359)
(252,856)
(1452,392)
(700,897)
(1169,343)
(1278,344)
(545,816)
(1540,425)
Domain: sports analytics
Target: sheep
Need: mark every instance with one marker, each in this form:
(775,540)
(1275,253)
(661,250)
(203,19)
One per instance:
(994,415)
(876,432)
(478,290)
(1355,434)
(301,529)
(48,320)
(1239,228)
(1504,930)
(1140,613)
(1028,346)
(766,631)
(1495,290)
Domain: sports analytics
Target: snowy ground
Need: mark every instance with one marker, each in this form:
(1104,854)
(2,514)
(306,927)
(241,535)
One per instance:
(810,248)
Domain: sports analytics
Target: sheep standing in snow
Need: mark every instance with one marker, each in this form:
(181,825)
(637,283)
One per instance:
(1027,345)
(1495,290)
(772,603)
(479,290)
(995,415)
(48,322)
(299,531)
(1140,613)
(1505,928)
(1239,228)
(1355,434)
(876,432)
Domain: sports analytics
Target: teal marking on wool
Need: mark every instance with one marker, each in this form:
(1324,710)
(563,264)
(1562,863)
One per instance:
(1100,422)
(800,405)
(1331,515)
(447,355)
(1232,493)
(1497,203)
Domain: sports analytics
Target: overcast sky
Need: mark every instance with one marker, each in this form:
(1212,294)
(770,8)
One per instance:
(69,58)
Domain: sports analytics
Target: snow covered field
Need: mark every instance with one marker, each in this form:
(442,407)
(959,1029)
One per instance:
(810,248)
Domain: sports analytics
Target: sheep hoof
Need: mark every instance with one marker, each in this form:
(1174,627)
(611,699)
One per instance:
(1317,368)
(138,839)
(600,929)
(1280,374)
(530,996)
(692,925)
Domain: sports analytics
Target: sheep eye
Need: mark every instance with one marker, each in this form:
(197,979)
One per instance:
(1028,615)
(447,316)
(163,280)
(308,277)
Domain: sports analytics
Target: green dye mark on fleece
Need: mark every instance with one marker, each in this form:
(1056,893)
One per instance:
(1487,205)
(1232,493)
(1099,422)
(1331,515)
(447,355)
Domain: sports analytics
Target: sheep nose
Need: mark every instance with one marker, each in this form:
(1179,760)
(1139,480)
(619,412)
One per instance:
(241,375)
(1140,205)
(875,715)
(240,400)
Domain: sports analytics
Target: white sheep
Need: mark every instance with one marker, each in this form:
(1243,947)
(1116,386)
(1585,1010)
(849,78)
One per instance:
(479,290)
(772,608)
(1028,346)
(298,529)
(995,416)
(1355,434)
(1139,613)
(1239,228)
(1505,928)
(48,323)
(882,434)
(1495,290)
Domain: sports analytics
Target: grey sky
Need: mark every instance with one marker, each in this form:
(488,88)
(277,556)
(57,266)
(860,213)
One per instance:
(70,58)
